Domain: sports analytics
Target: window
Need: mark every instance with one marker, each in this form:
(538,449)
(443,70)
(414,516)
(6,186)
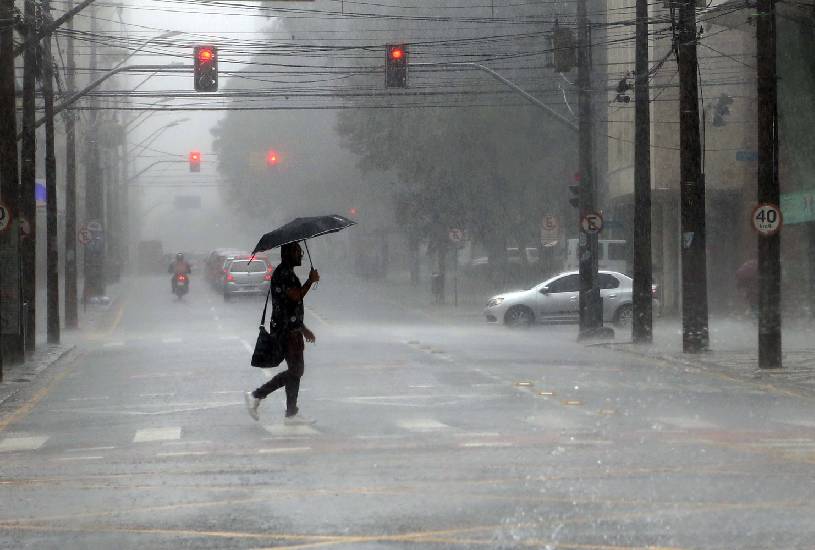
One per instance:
(567,283)
(608,281)
(256,266)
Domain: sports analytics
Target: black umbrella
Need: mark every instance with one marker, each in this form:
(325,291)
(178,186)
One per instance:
(300,229)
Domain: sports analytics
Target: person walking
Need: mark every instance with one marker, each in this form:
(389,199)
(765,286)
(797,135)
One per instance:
(287,321)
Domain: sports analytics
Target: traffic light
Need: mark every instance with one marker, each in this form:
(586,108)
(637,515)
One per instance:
(195,161)
(206,69)
(353,211)
(564,51)
(396,63)
(272,158)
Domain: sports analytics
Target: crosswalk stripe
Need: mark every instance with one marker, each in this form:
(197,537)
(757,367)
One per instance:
(422,425)
(22,443)
(157,434)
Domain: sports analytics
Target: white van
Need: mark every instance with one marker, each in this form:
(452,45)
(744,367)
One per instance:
(613,255)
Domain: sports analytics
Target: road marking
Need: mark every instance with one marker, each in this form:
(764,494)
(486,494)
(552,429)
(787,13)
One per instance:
(179,443)
(478,434)
(170,394)
(162,374)
(284,430)
(113,344)
(475,444)
(687,423)
(157,434)
(284,450)
(229,338)
(422,425)
(183,453)
(103,398)
(246,346)
(67,458)
(171,340)
(89,449)
(22,443)
(317,316)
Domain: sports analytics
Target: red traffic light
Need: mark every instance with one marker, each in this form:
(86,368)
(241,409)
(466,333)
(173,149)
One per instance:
(272,158)
(352,211)
(206,55)
(195,156)
(397,53)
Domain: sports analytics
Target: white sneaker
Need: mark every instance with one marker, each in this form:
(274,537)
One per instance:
(252,404)
(298,420)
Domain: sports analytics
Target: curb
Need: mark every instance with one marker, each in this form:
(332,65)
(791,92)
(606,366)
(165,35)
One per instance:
(756,377)
(20,376)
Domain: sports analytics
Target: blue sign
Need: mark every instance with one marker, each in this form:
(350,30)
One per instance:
(39,191)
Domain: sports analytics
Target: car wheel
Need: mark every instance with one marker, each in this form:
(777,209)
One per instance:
(624,316)
(519,316)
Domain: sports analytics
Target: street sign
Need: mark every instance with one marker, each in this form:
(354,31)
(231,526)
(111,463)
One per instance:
(456,235)
(592,223)
(5,217)
(767,219)
(798,207)
(550,228)
(84,235)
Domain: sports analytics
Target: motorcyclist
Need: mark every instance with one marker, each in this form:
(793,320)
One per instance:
(179,266)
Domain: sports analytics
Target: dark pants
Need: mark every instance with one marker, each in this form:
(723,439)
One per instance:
(290,378)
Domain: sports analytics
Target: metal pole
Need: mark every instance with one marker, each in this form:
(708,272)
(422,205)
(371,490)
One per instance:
(52,240)
(51,27)
(642,323)
(591,312)
(71,306)
(692,189)
(9,168)
(94,195)
(28,174)
(769,247)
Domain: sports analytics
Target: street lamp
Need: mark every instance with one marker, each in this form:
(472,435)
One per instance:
(146,142)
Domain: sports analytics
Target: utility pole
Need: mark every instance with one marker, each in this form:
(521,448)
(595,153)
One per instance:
(94,196)
(9,173)
(591,310)
(642,322)
(692,189)
(28,175)
(769,246)
(52,241)
(71,306)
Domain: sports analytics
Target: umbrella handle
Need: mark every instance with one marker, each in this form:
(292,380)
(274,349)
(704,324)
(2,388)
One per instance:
(309,255)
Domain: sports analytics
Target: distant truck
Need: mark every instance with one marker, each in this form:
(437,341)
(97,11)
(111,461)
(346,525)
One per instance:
(149,256)
(613,255)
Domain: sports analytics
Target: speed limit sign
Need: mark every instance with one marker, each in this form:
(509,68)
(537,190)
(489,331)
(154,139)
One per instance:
(592,223)
(767,219)
(5,217)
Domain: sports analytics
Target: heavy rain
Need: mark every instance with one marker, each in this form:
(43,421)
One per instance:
(396,274)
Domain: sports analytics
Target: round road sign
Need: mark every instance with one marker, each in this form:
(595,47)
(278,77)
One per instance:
(84,235)
(456,235)
(767,219)
(592,223)
(5,217)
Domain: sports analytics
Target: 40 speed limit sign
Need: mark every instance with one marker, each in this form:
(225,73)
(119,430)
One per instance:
(767,219)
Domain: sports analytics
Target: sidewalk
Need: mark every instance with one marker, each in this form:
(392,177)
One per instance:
(17,377)
(733,341)
(734,352)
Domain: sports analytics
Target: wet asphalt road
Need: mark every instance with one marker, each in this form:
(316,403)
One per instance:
(429,434)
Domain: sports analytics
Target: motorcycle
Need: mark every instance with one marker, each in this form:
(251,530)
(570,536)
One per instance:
(182,285)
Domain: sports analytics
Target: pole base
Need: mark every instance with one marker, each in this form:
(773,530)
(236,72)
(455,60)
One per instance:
(597,333)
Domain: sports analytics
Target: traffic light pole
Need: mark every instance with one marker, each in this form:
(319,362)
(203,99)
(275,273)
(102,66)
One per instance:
(692,189)
(28,168)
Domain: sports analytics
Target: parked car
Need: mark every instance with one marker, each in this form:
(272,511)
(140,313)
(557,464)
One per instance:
(557,300)
(242,276)
(214,265)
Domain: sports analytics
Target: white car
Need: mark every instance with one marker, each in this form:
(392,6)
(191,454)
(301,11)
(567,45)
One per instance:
(557,300)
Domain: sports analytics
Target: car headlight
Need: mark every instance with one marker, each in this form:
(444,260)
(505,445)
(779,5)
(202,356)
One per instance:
(494,302)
